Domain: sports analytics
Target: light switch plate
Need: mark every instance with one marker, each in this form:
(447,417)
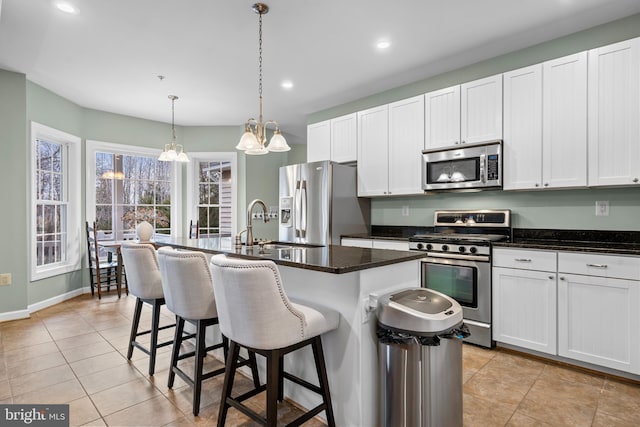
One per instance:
(602,208)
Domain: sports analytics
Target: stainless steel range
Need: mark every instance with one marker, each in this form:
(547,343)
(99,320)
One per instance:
(458,262)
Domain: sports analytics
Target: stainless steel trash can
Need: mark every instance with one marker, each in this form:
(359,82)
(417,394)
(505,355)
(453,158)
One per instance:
(420,335)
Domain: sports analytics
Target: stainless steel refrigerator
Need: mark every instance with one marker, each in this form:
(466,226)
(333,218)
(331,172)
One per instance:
(319,203)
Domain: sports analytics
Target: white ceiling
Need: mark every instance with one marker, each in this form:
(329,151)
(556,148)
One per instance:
(109,55)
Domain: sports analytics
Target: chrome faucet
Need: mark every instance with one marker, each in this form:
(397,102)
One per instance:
(265,216)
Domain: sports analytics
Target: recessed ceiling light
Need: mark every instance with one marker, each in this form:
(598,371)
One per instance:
(287,84)
(383,44)
(66,7)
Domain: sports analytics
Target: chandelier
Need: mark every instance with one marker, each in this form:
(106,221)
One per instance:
(255,135)
(173,152)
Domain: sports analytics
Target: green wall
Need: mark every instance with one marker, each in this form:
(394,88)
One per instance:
(24,101)
(13,174)
(571,209)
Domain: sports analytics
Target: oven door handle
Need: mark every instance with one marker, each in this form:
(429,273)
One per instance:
(479,258)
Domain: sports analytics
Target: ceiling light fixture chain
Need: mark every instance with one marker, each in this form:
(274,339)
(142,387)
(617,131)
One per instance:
(255,135)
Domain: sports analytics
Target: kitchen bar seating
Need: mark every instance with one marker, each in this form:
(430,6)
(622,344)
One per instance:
(256,314)
(145,283)
(188,289)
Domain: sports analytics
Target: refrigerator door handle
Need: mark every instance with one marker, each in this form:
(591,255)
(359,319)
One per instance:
(297,208)
(303,213)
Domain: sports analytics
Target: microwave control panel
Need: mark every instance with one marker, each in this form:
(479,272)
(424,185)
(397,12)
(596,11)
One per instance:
(493,167)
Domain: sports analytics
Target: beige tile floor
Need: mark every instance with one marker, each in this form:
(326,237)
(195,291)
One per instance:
(74,353)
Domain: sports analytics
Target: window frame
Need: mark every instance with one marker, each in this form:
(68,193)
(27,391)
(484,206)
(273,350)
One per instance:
(193,177)
(72,188)
(94,146)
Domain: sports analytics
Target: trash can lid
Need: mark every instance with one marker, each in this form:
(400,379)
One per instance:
(422,300)
(419,311)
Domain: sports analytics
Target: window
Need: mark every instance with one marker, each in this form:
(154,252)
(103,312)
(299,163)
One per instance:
(211,192)
(55,202)
(129,185)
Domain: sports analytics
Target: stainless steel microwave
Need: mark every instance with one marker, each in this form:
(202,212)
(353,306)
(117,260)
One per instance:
(463,167)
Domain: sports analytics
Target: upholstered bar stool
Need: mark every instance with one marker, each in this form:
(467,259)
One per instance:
(188,289)
(145,283)
(255,313)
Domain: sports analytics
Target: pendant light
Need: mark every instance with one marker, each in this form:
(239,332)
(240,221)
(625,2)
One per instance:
(255,135)
(173,152)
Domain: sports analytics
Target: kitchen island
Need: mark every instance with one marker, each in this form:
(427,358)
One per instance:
(341,278)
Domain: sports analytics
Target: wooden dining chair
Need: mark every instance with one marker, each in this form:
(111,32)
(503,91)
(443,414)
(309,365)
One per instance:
(103,272)
(194,229)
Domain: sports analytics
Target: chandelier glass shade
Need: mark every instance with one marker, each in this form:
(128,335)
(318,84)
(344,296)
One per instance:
(254,138)
(173,152)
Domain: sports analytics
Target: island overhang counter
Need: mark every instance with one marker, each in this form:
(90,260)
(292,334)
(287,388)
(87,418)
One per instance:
(345,279)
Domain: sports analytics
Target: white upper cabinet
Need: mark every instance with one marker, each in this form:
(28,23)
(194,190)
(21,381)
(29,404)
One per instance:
(564,118)
(442,117)
(344,147)
(614,114)
(319,141)
(523,128)
(545,125)
(467,113)
(333,139)
(390,144)
(406,142)
(481,110)
(373,143)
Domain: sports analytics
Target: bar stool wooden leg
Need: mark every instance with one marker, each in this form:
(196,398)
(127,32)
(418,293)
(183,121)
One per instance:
(227,386)
(134,327)
(197,375)
(281,378)
(273,385)
(177,343)
(155,324)
(321,368)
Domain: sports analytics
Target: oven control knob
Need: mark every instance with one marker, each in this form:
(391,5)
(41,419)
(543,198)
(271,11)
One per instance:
(445,248)
(473,249)
(419,246)
(429,246)
(461,249)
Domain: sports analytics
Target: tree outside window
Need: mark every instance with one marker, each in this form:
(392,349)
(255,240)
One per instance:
(51,203)
(131,189)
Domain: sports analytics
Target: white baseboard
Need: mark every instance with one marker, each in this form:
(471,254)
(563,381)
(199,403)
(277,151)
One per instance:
(14,315)
(56,300)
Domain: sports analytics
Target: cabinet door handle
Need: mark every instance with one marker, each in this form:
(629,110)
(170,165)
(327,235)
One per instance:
(562,278)
(546,184)
(635,180)
(551,277)
(523,259)
(597,265)
(537,185)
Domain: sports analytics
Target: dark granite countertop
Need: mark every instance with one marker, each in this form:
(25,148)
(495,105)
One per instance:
(329,259)
(621,242)
(604,241)
(391,232)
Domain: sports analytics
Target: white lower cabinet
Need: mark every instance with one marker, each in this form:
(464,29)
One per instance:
(586,309)
(599,316)
(355,242)
(397,245)
(524,299)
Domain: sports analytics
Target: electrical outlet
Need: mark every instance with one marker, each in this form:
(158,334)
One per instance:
(602,208)
(5,279)
(405,210)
